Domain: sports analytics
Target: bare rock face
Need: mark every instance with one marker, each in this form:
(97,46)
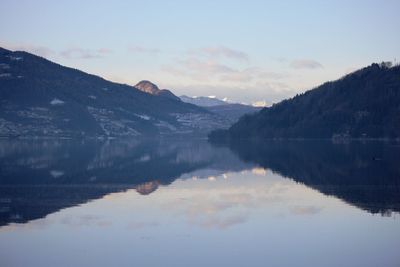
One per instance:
(147,188)
(151,88)
(148,87)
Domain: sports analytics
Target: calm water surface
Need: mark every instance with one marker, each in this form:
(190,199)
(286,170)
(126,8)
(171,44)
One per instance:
(190,203)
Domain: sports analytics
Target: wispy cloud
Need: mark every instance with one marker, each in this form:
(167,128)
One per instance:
(272,75)
(305,210)
(134,225)
(221,51)
(221,223)
(197,69)
(81,53)
(305,64)
(206,67)
(142,49)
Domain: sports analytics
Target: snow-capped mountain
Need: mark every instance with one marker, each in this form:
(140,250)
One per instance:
(203,101)
(228,110)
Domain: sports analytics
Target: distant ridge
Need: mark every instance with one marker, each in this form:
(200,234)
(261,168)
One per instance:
(363,104)
(203,101)
(231,111)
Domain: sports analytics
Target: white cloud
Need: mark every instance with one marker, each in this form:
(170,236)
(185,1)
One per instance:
(142,49)
(305,64)
(206,67)
(221,51)
(305,210)
(77,52)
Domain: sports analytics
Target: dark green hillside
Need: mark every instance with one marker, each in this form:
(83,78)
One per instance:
(363,104)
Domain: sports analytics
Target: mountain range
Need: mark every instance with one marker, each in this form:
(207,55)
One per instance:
(42,98)
(364,104)
(228,110)
(203,101)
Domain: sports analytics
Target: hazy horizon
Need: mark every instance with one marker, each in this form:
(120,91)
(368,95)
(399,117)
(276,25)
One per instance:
(258,51)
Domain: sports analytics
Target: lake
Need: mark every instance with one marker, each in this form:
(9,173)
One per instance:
(186,202)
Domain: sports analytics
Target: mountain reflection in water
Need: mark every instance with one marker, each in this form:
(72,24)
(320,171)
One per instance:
(39,177)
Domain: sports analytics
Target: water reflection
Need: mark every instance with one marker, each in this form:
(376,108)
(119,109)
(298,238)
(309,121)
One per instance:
(191,203)
(366,175)
(41,177)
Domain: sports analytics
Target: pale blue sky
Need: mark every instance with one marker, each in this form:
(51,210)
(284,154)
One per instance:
(247,51)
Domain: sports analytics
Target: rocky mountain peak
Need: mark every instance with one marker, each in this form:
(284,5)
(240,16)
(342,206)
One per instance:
(147,87)
(151,88)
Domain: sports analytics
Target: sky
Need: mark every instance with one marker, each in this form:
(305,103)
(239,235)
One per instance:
(255,52)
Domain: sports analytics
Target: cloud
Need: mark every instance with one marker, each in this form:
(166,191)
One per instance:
(206,67)
(85,220)
(233,199)
(104,51)
(200,69)
(305,64)
(242,76)
(141,49)
(221,51)
(305,210)
(139,225)
(76,52)
(223,223)
(217,213)
(272,75)
(197,69)
(205,73)
(236,77)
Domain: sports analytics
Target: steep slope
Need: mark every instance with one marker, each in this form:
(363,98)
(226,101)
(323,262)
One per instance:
(364,104)
(42,98)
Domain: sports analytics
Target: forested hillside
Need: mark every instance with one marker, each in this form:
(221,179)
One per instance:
(363,104)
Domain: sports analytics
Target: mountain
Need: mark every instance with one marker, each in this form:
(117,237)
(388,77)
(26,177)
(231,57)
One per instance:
(151,88)
(363,104)
(230,111)
(41,98)
(203,101)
